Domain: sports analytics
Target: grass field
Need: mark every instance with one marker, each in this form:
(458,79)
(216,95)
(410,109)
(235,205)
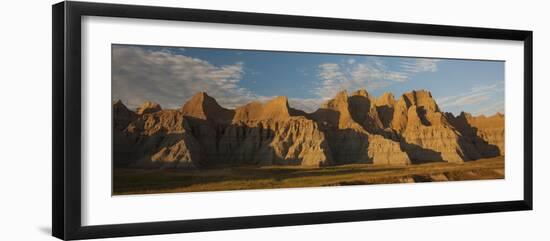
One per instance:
(138,181)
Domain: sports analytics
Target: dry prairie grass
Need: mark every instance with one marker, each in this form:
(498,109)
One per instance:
(137,181)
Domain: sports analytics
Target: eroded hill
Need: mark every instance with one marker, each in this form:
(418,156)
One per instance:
(356,128)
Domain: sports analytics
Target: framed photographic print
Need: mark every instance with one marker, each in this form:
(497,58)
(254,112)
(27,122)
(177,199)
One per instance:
(169,120)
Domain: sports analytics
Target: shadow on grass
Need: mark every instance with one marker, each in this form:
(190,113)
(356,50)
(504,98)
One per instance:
(136,180)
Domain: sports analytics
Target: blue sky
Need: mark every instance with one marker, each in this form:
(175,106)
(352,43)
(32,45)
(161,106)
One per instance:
(171,75)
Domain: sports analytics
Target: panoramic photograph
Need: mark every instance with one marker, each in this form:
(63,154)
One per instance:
(188,119)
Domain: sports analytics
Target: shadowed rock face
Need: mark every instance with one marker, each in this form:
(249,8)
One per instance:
(350,124)
(485,133)
(356,128)
(426,127)
(122,115)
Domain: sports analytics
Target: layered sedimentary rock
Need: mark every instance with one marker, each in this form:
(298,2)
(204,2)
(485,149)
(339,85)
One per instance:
(148,107)
(350,124)
(485,133)
(356,128)
(263,134)
(426,132)
(385,107)
(491,130)
(159,139)
(203,134)
(295,141)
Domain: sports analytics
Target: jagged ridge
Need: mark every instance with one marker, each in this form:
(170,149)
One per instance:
(356,128)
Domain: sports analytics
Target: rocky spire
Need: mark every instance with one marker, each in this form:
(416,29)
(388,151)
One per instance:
(361,92)
(276,108)
(386,99)
(122,116)
(202,106)
(148,107)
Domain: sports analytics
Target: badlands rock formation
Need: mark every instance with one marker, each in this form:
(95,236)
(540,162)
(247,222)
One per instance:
(356,128)
(485,133)
(350,124)
(148,107)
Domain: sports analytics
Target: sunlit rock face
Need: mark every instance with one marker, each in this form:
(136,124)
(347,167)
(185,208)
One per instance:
(350,128)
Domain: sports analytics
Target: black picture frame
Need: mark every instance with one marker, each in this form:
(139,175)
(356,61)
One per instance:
(66,128)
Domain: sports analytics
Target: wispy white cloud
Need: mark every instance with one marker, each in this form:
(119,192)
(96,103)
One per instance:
(467,99)
(418,65)
(485,97)
(491,109)
(335,77)
(306,104)
(372,74)
(170,78)
(162,76)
